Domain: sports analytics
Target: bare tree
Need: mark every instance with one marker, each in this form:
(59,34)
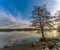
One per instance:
(57,20)
(41,18)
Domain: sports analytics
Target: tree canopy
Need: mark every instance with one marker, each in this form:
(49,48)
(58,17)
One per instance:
(41,18)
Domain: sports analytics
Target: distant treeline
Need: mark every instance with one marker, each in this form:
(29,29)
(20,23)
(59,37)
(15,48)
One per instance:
(21,29)
(17,29)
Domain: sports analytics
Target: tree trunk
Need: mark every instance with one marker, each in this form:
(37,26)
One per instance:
(42,28)
(59,34)
(42,31)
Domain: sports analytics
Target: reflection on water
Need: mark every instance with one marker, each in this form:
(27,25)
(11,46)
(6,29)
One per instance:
(15,38)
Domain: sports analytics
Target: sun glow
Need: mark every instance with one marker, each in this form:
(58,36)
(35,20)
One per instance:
(55,33)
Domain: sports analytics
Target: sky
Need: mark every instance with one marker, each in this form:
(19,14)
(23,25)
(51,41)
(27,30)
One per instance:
(16,13)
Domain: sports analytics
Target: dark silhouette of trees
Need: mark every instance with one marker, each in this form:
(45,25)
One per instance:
(41,18)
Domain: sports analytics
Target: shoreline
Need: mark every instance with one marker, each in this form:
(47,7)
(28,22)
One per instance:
(28,46)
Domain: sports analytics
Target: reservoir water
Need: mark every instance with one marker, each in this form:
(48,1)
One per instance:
(14,38)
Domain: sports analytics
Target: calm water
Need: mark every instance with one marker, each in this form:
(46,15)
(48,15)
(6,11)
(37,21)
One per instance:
(14,38)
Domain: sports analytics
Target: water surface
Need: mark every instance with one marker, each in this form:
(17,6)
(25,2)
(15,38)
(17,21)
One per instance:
(14,38)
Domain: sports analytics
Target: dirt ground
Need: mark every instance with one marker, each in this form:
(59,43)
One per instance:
(31,46)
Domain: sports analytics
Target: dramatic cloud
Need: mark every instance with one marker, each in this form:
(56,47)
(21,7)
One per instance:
(8,20)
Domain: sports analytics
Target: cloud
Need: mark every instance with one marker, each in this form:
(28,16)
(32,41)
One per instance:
(9,21)
(56,6)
